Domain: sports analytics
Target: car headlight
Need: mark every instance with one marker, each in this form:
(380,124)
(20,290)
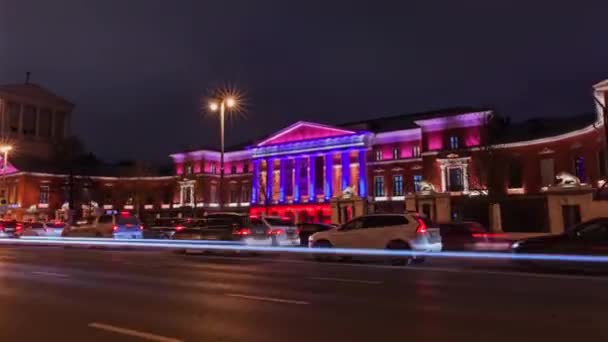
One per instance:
(516,245)
(310,239)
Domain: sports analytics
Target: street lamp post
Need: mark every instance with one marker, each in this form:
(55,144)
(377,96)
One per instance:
(228,102)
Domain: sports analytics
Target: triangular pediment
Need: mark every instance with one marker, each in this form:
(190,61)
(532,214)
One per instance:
(303,130)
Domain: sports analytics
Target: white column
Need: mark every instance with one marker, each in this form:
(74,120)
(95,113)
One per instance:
(465,177)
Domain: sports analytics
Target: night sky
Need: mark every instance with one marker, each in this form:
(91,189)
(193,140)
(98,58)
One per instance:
(137,69)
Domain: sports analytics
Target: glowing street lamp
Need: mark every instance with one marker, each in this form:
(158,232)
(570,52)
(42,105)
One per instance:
(5,149)
(222,104)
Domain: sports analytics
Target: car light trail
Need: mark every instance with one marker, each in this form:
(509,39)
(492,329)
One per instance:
(212,246)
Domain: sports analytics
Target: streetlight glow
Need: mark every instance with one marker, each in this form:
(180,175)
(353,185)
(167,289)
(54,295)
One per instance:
(213,106)
(5,148)
(230,102)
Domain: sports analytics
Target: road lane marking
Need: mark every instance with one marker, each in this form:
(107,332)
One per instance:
(268,299)
(131,332)
(356,281)
(52,274)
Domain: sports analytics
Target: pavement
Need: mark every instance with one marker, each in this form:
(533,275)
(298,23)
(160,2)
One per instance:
(59,294)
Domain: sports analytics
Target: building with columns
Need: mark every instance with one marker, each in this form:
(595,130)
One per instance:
(33,119)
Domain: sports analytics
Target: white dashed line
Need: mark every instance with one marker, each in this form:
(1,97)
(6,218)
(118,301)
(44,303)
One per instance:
(131,332)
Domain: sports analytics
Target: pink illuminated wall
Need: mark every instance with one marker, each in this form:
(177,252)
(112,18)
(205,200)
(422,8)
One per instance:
(471,136)
(197,166)
(434,141)
(179,168)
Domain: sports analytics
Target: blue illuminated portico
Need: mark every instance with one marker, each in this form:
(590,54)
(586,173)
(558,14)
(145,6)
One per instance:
(306,157)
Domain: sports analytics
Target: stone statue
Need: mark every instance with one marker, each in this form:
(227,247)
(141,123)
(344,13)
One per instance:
(426,186)
(348,192)
(566,179)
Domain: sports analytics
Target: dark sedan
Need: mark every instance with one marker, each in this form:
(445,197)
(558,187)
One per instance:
(471,236)
(306,229)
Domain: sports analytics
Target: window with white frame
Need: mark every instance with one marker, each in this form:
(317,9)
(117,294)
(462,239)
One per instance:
(379,186)
(396,153)
(378,155)
(397,185)
(213,168)
(454,142)
(43,197)
(417,180)
(187,194)
(416,151)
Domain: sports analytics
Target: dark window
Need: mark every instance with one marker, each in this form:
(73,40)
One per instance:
(579,168)
(455,179)
(233,196)
(354,224)
(45,123)
(127,220)
(515,174)
(379,186)
(245,193)
(13,117)
(454,143)
(594,231)
(29,120)
(319,176)
(384,221)
(416,151)
(601,158)
(233,169)
(44,194)
(417,180)
(398,185)
(245,167)
(396,153)
(378,155)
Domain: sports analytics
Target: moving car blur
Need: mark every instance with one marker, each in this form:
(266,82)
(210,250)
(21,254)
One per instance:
(10,228)
(54,228)
(471,236)
(306,229)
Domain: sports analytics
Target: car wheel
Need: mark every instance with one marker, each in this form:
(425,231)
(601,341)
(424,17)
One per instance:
(398,245)
(322,244)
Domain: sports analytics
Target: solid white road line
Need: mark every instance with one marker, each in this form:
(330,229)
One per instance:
(52,274)
(131,332)
(268,299)
(356,281)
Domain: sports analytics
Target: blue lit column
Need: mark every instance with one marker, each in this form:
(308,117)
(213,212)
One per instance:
(345,170)
(282,180)
(311,180)
(255,186)
(362,174)
(329,176)
(296,187)
(269,179)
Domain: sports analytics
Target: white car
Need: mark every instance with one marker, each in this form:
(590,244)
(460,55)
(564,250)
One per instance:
(280,231)
(54,229)
(381,231)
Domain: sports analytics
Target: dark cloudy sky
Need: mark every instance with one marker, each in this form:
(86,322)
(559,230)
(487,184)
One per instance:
(137,68)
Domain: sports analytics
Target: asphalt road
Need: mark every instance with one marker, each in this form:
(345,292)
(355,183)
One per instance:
(57,294)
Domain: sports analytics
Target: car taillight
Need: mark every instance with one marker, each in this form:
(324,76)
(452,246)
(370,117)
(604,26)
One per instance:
(242,231)
(178,228)
(114,228)
(19,226)
(422,228)
(278,232)
(141,227)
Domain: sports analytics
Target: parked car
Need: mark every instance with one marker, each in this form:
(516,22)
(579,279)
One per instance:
(127,226)
(99,226)
(162,228)
(10,228)
(470,236)
(188,229)
(281,231)
(43,229)
(306,229)
(382,231)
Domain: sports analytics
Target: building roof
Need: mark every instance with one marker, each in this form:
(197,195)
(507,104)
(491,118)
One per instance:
(36,92)
(407,121)
(537,128)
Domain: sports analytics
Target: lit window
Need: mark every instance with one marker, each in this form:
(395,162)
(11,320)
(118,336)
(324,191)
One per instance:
(189,169)
(396,153)
(416,151)
(398,185)
(417,180)
(378,155)
(213,168)
(379,186)
(233,169)
(453,142)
